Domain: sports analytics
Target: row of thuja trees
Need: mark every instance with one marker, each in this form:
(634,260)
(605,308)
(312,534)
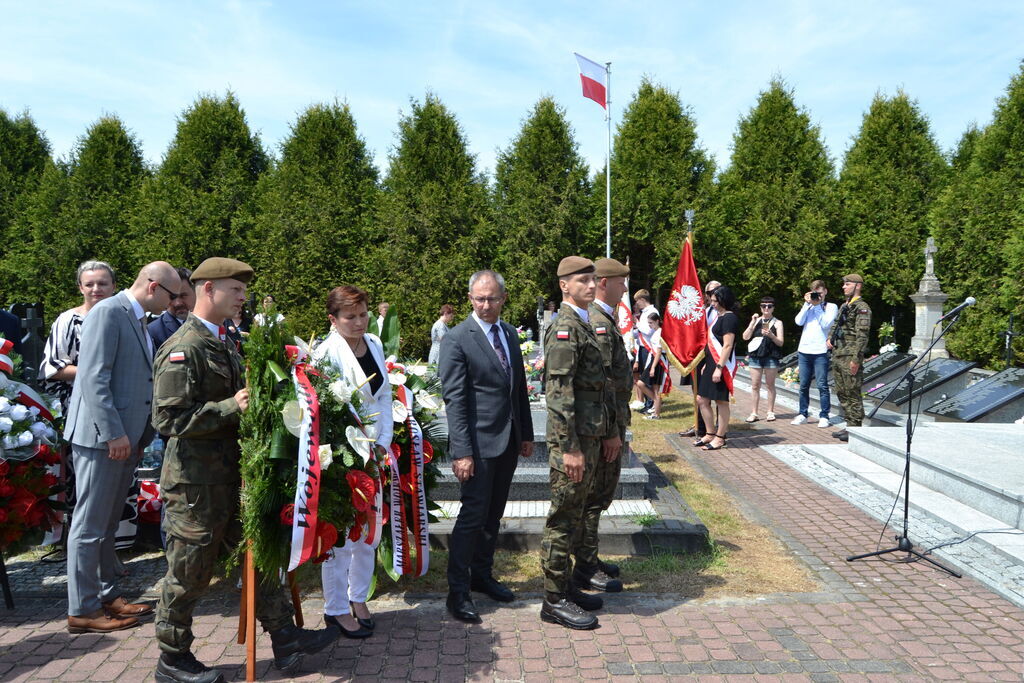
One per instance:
(319,214)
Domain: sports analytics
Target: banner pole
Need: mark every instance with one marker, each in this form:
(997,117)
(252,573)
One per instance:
(608,162)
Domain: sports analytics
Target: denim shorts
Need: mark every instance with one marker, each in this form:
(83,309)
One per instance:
(762,363)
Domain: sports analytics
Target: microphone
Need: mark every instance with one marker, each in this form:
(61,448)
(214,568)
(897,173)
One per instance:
(969,301)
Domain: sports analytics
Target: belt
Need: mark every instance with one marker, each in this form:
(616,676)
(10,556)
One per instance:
(584,395)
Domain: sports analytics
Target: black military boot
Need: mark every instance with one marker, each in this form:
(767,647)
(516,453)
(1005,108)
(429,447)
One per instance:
(185,668)
(591,603)
(557,609)
(291,642)
(595,579)
(608,568)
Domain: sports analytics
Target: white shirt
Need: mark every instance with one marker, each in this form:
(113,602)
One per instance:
(816,321)
(140,314)
(214,329)
(486,327)
(643,324)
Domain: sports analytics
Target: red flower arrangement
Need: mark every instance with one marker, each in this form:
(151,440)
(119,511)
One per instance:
(363,490)
(25,511)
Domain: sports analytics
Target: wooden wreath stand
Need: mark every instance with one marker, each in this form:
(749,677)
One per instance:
(247,611)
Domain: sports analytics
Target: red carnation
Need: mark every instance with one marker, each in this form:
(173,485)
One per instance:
(363,489)
(288,514)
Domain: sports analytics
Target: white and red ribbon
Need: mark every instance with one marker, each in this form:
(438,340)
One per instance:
(666,380)
(307,485)
(716,355)
(402,562)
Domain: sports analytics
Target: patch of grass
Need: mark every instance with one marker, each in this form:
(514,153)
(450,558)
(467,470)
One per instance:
(646,519)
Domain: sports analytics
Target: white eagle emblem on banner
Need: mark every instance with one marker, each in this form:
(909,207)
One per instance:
(686,305)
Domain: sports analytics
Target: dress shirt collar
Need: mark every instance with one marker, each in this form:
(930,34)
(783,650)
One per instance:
(582,313)
(607,309)
(136,306)
(486,326)
(214,329)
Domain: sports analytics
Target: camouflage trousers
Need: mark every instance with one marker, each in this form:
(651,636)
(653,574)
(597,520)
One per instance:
(198,519)
(848,389)
(568,506)
(602,493)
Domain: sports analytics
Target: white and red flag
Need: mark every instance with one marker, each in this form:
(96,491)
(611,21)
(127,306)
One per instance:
(685,330)
(595,80)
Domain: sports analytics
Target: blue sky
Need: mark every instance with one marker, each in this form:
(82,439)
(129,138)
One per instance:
(70,62)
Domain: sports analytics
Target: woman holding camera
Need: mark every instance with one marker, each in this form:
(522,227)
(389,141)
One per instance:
(765,335)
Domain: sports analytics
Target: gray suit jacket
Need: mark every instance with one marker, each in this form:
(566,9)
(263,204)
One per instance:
(114,385)
(485,414)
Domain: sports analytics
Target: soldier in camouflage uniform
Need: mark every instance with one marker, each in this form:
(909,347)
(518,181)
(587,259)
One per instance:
(590,571)
(575,382)
(848,341)
(198,396)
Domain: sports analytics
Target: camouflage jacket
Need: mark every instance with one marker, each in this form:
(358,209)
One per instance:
(575,382)
(617,365)
(851,330)
(195,378)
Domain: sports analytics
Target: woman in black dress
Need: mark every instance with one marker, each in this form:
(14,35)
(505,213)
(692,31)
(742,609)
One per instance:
(715,375)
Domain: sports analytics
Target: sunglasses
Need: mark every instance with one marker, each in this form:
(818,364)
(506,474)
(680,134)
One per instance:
(173,295)
(767,305)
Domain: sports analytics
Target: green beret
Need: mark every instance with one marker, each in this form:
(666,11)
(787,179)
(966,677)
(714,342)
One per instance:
(853,277)
(219,268)
(573,265)
(609,267)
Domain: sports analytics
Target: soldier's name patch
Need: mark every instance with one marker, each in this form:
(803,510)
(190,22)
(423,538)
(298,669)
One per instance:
(601,329)
(176,357)
(562,334)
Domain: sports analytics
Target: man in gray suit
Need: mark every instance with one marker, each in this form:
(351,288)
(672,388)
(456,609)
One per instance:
(489,428)
(108,425)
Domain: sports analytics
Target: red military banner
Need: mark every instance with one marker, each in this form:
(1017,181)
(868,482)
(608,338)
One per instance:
(685,332)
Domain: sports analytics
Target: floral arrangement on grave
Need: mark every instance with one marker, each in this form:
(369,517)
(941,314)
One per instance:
(30,426)
(886,332)
(790,376)
(308,468)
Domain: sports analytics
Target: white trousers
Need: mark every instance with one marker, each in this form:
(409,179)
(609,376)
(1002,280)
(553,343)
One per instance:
(346,576)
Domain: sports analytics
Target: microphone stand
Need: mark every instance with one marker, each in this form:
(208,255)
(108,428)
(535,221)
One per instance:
(903,543)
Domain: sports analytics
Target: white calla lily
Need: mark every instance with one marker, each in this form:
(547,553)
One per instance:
(359,443)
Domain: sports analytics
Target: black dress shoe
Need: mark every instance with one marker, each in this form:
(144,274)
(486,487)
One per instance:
(557,609)
(841,434)
(494,588)
(589,602)
(291,642)
(608,568)
(596,580)
(361,632)
(460,606)
(184,668)
(365,623)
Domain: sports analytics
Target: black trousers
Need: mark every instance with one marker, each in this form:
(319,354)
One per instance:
(475,535)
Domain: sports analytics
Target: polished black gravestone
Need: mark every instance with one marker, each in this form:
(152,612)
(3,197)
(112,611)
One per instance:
(998,398)
(788,361)
(877,368)
(933,382)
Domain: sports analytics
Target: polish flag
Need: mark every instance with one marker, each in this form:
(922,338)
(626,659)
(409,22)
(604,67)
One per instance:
(593,76)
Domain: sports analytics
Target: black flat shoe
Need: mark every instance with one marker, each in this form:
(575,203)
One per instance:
(460,606)
(493,588)
(709,447)
(359,633)
(692,431)
(365,623)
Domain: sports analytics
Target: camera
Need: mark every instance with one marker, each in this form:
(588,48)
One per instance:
(815,296)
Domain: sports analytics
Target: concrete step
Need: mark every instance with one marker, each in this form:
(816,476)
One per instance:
(934,503)
(980,465)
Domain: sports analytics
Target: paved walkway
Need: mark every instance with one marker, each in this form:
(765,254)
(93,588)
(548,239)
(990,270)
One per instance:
(873,620)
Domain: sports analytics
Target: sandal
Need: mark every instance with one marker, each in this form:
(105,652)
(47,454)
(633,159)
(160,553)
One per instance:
(709,447)
(701,442)
(770,417)
(752,418)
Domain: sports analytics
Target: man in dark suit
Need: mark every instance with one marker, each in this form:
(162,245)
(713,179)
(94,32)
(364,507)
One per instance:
(107,425)
(168,322)
(489,429)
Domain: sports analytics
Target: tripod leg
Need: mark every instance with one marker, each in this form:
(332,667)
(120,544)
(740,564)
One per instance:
(854,558)
(934,563)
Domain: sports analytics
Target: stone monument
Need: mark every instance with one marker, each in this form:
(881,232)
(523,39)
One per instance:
(928,302)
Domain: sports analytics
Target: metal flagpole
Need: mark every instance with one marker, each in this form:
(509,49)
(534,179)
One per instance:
(608,162)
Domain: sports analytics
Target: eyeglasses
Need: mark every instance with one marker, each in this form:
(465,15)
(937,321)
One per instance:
(173,295)
(486,299)
(767,305)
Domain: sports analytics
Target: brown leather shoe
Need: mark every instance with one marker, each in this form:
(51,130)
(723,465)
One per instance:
(122,608)
(99,622)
